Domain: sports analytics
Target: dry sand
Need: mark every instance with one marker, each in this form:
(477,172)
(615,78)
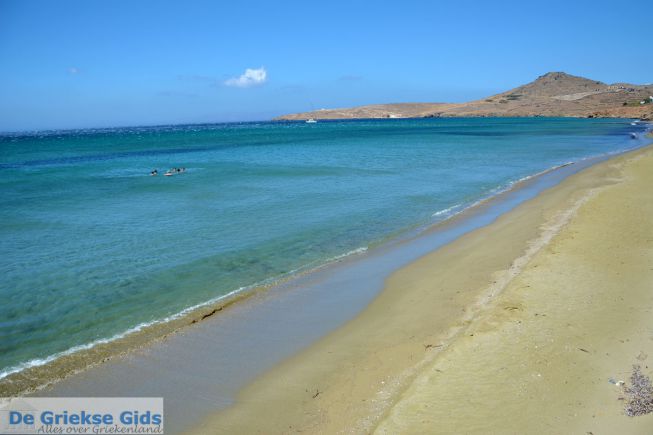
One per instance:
(514,328)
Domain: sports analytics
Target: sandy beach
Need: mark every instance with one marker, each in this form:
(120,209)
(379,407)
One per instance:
(526,325)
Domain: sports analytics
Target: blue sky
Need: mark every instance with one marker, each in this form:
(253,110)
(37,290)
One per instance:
(76,64)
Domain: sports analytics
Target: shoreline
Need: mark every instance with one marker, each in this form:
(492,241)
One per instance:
(352,379)
(39,373)
(205,368)
(552,352)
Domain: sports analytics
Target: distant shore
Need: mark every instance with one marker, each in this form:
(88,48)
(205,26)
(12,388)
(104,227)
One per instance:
(554,94)
(525,325)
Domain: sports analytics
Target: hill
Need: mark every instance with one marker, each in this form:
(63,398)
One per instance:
(553,94)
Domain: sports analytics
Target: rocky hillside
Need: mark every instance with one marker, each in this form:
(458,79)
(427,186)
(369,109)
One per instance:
(553,94)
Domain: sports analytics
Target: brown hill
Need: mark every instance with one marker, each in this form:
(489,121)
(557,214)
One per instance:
(553,94)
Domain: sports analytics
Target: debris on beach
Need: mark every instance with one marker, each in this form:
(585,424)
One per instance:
(317,393)
(639,394)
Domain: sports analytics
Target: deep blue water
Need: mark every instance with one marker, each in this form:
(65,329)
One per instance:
(92,246)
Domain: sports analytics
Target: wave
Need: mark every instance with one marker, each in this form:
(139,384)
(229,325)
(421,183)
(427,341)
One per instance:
(446,210)
(448,213)
(307,268)
(460,208)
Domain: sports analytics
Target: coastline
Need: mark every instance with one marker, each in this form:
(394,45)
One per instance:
(554,94)
(36,374)
(555,346)
(375,371)
(202,369)
(153,344)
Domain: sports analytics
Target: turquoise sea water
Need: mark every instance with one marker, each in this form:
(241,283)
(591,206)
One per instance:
(91,246)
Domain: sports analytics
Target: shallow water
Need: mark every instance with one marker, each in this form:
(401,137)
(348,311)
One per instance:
(91,246)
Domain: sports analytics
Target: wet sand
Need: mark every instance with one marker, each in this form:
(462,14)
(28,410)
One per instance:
(515,327)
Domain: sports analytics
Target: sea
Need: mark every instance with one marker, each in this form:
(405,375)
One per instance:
(93,247)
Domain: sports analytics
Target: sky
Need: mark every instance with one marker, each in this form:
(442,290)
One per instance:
(82,64)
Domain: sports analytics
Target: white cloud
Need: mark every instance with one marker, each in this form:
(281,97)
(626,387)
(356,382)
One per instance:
(251,77)
(73,70)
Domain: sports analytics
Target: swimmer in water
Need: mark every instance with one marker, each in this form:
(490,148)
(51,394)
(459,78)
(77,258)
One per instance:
(154,172)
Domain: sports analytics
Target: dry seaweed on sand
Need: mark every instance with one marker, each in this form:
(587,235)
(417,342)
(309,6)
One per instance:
(639,394)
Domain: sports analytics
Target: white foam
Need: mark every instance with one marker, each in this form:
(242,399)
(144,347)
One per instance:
(461,208)
(446,210)
(347,254)
(306,268)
